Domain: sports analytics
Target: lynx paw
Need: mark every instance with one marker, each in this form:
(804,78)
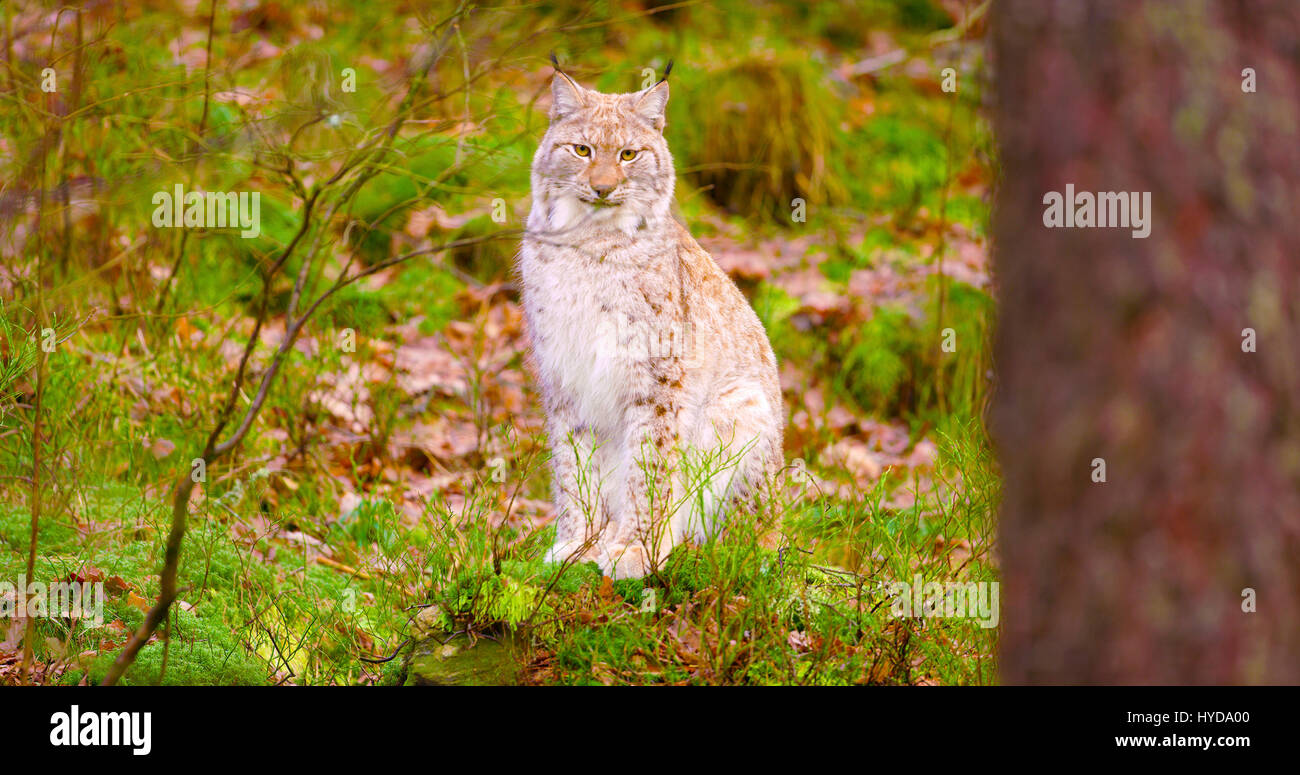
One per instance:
(625,562)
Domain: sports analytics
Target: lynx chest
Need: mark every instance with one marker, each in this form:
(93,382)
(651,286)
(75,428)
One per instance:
(587,318)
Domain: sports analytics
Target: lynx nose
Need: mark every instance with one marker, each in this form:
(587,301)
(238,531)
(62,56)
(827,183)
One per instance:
(602,189)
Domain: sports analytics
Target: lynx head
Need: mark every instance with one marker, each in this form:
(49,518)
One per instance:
(603,155)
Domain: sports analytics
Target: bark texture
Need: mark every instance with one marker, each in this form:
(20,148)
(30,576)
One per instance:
(1131,350)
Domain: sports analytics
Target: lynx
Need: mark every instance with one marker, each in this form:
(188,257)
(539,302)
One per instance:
(662,401)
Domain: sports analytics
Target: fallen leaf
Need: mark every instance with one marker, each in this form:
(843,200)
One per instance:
(161,448)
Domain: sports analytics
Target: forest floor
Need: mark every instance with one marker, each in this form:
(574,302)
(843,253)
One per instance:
(395,487)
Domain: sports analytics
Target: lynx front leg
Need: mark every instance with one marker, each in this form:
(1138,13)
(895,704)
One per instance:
(649,487)
(580,511)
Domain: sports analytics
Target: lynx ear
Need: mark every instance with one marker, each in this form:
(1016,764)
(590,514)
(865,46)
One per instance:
(567,96)
(652,103)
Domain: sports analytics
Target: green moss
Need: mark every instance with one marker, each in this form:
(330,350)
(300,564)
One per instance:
(203,652)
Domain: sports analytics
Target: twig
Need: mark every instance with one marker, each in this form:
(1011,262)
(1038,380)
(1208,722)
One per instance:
(390,658)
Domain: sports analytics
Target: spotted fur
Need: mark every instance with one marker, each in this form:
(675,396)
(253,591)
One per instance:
(663,406)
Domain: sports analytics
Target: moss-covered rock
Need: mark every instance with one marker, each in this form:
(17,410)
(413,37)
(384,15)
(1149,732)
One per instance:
(462,661)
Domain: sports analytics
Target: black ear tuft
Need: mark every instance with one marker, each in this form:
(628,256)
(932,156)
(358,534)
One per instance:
(555,61)
(667,70)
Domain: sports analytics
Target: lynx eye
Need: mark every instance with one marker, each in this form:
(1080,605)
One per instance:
(627,155)
(582,150)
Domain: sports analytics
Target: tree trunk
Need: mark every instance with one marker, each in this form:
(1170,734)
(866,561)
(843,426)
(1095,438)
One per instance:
(1133,351)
